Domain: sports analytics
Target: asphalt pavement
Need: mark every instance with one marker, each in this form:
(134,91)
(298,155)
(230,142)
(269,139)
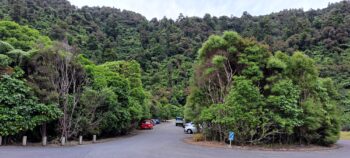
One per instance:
(164,141)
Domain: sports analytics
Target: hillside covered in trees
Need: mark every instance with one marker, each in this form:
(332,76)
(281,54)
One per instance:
(164,50)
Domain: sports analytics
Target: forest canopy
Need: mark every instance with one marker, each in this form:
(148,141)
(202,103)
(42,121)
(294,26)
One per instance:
(166,48)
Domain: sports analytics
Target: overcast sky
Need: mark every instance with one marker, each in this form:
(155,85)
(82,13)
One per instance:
(172,8)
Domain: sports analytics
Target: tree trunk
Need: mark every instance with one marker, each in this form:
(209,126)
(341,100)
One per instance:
(43,130)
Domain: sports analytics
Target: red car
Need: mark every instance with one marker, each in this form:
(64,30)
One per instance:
(146,124)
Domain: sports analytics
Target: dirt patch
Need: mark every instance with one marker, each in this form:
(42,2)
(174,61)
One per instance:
(275,147)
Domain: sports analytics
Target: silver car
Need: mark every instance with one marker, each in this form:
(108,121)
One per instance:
(190,128)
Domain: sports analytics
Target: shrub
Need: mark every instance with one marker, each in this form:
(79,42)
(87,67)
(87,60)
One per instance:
(4,60)
(198,137)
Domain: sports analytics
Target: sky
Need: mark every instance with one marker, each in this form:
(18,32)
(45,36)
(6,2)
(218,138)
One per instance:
(172,8)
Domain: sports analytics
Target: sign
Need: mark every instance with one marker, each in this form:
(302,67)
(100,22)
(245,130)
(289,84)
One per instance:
(231,136)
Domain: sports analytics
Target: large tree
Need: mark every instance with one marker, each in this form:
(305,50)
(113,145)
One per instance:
(113,101)
(239,85)
(20,109)
(58,77)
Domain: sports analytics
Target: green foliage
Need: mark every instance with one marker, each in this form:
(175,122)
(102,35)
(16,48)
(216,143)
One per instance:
(244,93)
(213,43)
(218,60)
(166,48)
(232,37)
(238,113)
(114,100)
(195,104)
(18,56)
(123,35)
(20,109)
(5,47)
(284,100)
(275,63)
(270,98)
(302,66)
(58,78)
(323,127)
(243,104)
(4,61)
(21,37)
(93,102)
(130,70)
(169,111)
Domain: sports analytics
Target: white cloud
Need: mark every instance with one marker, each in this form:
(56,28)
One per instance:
(172,8)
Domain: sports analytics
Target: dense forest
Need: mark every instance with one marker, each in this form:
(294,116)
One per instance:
(48,89)
(143,66)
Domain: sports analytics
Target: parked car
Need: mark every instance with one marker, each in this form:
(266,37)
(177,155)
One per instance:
(157,121)
(190,128)
(179,121)
(153,122)
(146,124)
(186,124)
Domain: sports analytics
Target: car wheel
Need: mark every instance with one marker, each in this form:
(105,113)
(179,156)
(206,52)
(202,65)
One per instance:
(189,131)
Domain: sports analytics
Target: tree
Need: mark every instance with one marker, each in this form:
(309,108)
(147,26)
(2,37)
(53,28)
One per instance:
(22,37)
(265,98)
(58,78)
(5,61)
(166,48)
(114,101)
(19,108)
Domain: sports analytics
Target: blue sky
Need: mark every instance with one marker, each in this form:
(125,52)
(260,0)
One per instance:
(172,8)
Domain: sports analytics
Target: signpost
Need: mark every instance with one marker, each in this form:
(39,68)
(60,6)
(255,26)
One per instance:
(231,137)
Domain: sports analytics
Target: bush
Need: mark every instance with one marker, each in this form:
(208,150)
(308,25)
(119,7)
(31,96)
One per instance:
(4,60)
(5,47)
(198,137)
(20,111)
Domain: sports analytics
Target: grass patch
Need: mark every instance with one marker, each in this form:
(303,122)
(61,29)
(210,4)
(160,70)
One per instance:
(345,135)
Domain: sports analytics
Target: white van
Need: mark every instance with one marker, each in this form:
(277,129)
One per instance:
(179,121)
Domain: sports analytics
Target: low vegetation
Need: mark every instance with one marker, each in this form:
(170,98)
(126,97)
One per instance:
(198,137)
(344,135)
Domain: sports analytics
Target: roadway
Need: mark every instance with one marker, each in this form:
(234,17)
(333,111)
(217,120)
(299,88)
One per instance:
(164,141)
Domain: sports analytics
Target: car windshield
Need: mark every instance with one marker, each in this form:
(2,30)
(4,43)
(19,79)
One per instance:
(147,121)
(179,118)
(189,124)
